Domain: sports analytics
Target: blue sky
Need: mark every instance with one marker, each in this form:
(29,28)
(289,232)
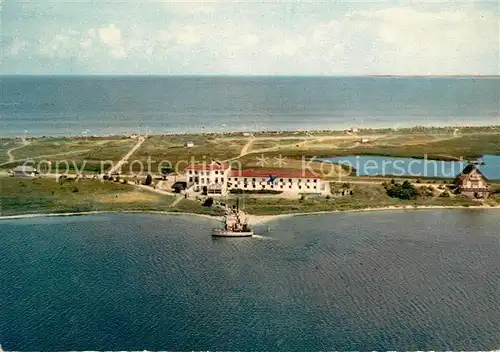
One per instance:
(250,37)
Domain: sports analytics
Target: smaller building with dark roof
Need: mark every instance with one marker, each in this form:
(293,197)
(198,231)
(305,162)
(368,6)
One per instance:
(472,183)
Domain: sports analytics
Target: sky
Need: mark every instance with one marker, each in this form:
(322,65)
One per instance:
(250,37)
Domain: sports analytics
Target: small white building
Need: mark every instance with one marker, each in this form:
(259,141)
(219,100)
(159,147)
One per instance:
(23,171)
(210,178)
(364,140)
(188,145)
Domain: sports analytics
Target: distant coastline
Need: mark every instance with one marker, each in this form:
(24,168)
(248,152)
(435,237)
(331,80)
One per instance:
(366,128)
(166,75)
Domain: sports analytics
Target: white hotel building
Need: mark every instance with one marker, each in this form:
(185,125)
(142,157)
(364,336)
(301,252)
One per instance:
(217,178)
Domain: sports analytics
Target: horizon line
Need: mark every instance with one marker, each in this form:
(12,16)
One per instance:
(249,75)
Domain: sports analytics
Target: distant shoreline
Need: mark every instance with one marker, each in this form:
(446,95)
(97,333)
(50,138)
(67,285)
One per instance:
(333,130)
(253,219)
(164,75)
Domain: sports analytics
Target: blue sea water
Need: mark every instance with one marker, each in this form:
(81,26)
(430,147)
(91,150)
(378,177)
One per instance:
(100,105)
(409,280)
(387,166)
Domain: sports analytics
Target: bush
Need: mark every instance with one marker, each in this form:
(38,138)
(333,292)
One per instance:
(404,190)
(148,180)
(208,202)
(445,194)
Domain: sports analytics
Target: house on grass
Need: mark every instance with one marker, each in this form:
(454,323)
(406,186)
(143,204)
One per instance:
(23,171)
(472,183)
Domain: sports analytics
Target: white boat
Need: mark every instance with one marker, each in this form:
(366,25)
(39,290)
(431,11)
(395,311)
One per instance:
(233,225)
(229,233)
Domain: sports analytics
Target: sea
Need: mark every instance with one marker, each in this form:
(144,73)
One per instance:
(415,280)
(110,105)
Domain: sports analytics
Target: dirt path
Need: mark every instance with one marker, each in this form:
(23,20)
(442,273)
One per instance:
(9,152)
(244,150)
(119,164)
(176,201)
(47,156)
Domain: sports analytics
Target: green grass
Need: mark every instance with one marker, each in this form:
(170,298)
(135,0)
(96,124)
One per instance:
(45,195)
(162,150)
(5,145)
(364,196)
(468,147)
(79,153)
(27,196)
(190,206)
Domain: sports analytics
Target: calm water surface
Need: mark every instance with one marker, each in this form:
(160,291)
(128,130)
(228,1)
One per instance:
(415,280)
(387,166)
(62,105)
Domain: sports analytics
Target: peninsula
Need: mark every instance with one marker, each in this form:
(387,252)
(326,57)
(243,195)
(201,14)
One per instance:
(152,173)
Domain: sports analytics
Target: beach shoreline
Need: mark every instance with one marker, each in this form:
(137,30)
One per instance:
(253,220)
(331,129)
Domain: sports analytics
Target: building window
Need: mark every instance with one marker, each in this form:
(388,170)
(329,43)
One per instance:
(290,180)
(290,186)
(216,180)
(245,179)
(245,185)
(281,180)
(253,179)
(315,180)
(298,180)
(281,186)
(308,187)
(315,187)
(263,180)
(190,172)
(216,172)
(190,179)
(300,187)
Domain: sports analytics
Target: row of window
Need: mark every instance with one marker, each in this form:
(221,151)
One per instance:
(202,180)
(204,173)
(245,179)
(272,186)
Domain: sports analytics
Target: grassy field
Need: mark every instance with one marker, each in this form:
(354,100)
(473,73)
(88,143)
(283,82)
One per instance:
(364,196)
(170,149)
(31,196)
(467,146)
(85,154)
(436,143)
(5,145)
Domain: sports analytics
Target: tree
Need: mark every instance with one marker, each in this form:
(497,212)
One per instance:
(403,190)
(148,180)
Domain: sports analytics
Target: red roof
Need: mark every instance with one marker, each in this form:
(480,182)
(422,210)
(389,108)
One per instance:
(208,166)
(275,173)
